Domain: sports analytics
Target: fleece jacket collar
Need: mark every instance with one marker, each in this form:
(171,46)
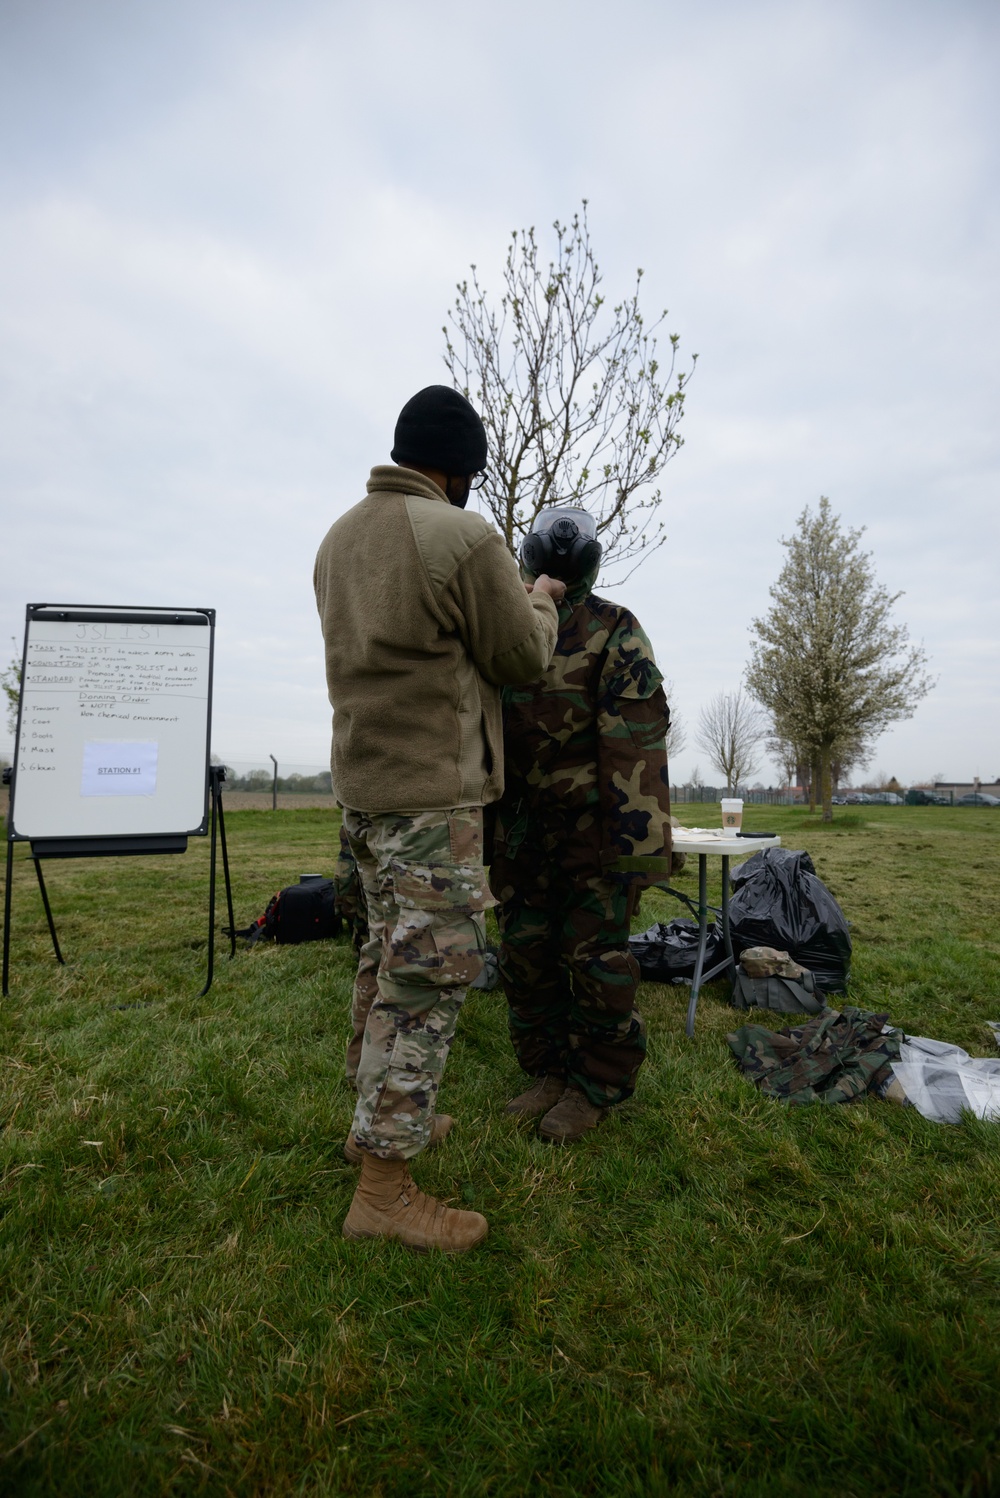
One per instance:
(391,479)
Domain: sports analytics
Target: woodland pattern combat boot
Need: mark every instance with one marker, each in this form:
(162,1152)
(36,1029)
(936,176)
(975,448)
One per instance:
(572,1117)
(539,1098)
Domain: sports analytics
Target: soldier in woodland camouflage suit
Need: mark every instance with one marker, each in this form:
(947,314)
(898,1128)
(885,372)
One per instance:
(583,825)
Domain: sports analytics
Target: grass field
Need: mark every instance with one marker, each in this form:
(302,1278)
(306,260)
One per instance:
(714,1293)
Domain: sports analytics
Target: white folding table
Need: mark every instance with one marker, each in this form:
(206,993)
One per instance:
(708,843)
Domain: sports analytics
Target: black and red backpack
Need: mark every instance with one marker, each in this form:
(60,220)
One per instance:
(306,911)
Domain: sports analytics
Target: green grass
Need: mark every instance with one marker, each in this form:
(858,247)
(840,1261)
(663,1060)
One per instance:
(714,1293)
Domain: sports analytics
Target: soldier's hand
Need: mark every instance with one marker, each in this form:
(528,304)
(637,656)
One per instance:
(550,585)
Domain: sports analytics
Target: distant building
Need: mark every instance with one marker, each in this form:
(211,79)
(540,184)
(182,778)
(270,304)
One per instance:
(953,789)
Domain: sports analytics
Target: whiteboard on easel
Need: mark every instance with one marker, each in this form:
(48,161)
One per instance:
(115,719)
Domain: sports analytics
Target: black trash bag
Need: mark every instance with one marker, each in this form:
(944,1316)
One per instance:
(666,953)
(778,901)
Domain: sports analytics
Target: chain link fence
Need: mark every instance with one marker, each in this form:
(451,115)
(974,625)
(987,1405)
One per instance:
(292,779)
(681,795)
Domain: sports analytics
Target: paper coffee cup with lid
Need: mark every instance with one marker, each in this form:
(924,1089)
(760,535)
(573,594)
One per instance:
(732,814)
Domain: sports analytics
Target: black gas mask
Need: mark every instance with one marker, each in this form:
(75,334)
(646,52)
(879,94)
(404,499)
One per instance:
(563,543)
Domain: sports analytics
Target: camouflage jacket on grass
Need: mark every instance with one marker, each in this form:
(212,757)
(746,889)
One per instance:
(836,1057)
(584,746)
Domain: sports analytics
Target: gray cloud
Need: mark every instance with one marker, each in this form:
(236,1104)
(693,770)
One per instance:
(231,234)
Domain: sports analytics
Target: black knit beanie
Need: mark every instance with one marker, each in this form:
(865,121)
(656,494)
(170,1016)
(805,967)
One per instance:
(437,428)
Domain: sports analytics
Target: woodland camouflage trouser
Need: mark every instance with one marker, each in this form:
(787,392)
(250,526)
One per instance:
(425,888)
(569,977)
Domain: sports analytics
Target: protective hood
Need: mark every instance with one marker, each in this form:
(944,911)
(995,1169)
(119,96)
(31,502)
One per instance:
(575,592)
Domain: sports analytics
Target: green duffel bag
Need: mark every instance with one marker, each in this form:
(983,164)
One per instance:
(769,979)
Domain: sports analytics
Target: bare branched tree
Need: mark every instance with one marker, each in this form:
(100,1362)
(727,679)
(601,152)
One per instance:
(731,730)
(799,764)
(786,755)
(577,406)
(676,733)
(847,755)
(827,662)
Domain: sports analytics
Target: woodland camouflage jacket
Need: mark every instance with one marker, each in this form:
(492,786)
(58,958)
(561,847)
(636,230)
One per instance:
(584,745)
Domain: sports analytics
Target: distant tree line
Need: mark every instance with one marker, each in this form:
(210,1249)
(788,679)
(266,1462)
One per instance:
(263,780)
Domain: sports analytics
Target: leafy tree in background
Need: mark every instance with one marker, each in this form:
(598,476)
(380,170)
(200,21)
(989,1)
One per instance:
(731,730)
(576,405)
(10,681)
(827,662)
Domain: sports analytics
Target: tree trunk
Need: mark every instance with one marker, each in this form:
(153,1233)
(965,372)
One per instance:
(826,773)
(813,782)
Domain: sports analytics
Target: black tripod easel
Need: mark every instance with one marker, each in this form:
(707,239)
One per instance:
(91,847)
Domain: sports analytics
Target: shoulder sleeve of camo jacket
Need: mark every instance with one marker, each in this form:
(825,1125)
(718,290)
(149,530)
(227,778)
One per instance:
(632,721)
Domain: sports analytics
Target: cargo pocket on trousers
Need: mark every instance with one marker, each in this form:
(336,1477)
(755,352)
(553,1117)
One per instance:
(445,947)
(440,888)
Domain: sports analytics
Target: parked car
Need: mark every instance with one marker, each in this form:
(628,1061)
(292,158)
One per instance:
(979,798)
(917,797)
(859,798)
(885,798)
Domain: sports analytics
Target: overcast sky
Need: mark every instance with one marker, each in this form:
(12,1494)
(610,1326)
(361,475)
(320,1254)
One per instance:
(230,233)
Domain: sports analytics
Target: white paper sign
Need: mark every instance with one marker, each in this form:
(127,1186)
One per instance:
(116,767)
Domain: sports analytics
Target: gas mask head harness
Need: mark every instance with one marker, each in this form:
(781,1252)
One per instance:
(563,543)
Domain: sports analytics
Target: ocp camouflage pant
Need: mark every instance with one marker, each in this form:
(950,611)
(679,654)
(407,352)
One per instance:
(350,896)
(569,977)
(425,890)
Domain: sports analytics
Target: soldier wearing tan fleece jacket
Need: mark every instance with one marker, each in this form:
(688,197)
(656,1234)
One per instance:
(424,618)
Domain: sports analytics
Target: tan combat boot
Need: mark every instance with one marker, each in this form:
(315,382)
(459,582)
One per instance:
(539,1097)
(440,1128)
(387,1204)
(571,1118)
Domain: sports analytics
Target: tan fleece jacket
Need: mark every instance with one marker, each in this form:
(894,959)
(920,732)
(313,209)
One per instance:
(424,617)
